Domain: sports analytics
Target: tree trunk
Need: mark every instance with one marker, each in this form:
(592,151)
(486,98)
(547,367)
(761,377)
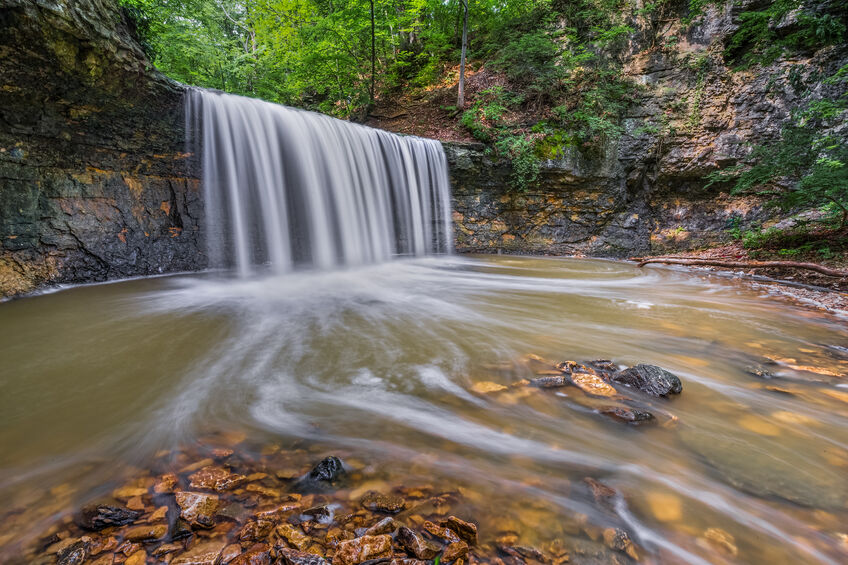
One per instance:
(747,265)
(373,55)
(460,100)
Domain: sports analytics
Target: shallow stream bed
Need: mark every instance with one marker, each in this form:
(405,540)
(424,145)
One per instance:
(419,376)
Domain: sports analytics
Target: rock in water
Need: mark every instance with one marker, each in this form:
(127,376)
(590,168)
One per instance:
(355,551)
(388,503)
(415,544)
(322,476)
(626,414)
(650,379)
(295,557)
(784,469)
(99,516)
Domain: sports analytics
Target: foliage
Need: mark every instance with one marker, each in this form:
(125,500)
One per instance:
(807,167)
(759,40)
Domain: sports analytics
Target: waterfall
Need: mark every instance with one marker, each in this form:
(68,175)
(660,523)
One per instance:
(289,188)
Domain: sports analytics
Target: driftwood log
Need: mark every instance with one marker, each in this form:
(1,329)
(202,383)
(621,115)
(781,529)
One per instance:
(746,264)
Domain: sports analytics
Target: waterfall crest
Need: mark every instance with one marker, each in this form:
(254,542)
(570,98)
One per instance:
(289,188)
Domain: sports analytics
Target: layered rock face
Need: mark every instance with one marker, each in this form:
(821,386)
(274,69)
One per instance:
(645,192)
(94,184)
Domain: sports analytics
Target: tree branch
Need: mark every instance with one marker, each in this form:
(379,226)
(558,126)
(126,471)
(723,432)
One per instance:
(747,265)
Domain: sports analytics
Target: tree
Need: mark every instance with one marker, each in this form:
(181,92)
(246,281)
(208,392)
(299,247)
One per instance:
(460,100)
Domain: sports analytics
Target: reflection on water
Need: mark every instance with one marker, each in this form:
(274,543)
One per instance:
(379,364)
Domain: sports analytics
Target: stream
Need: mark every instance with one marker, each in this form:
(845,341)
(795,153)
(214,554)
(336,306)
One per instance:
(414,373)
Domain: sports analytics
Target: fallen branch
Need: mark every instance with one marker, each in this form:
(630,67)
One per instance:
(746,265)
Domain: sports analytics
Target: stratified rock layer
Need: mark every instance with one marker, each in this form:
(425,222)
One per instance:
(94,183)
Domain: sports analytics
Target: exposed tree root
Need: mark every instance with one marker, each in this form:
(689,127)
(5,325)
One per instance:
(746,265)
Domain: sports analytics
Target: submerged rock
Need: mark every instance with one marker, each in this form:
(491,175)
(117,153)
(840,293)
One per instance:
(550,382)
(650,379)
(99,516)
(385,526)
(783,468)
(626,414)
(388,503)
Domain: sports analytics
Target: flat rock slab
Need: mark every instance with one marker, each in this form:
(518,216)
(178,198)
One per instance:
(782,468)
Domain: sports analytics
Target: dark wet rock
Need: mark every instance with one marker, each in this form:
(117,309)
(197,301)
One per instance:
(603,367)
(760,373)
(356,551)
(397,561)
(74,554)
(323,476)
(550,382)
(650,379)
(385,526)
(198,508)
(388,503)
(627,414)
(786,469)
(465,530)
(454,551)
(99,516)
(440,532)
(415,544)
(323,512)
(294,557)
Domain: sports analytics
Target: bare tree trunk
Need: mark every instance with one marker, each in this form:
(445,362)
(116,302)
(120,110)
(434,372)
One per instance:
(373,54)
(460,100)
(747,265)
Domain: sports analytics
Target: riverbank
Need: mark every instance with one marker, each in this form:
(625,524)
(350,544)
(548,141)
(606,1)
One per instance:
(804,287)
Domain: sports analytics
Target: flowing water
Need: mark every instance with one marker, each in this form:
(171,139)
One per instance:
(286,187)
(414,370)
(377,364)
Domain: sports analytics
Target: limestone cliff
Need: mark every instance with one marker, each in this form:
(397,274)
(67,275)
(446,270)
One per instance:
(645,192)
(93,182)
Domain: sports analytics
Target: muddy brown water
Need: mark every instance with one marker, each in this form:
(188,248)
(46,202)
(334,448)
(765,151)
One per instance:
(379,365)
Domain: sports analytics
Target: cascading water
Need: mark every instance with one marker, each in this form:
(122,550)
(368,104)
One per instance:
(287,187)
